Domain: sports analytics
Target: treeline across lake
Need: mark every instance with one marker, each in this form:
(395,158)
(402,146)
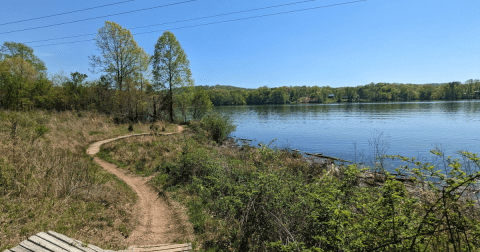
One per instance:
(379,92)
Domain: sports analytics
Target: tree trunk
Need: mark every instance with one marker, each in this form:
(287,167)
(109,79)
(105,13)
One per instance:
(171,105)
(154,109)
(171,99)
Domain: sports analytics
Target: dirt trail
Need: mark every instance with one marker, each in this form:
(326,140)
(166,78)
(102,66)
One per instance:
(159,223)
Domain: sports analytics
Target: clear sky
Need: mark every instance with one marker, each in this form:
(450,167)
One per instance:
(403,41)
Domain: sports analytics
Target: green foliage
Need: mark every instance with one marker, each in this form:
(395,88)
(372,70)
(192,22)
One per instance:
(201,103)
(40,131)
(12,49)
(278,96)
(124,230)
(218,126)
(194,162)
(120,56)
(183,102)
(275,209)
(171,68)
(21,85)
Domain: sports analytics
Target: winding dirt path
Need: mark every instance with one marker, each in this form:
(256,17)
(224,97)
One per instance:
(159,223)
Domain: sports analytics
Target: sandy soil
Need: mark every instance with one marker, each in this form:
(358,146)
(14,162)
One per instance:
(159,220)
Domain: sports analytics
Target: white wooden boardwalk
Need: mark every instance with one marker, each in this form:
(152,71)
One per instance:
(55,242)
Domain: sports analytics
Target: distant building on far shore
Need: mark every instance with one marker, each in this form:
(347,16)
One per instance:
(307,99)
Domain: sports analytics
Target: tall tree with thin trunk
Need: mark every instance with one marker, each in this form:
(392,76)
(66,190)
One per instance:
(120,56)
(171,68)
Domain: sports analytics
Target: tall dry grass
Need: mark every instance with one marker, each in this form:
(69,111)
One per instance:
(47,182)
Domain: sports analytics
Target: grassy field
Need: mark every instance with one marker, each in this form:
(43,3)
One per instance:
(48,182)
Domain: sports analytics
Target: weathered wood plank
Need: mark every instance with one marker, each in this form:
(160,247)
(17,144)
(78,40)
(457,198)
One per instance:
(62,237)
(184,249)
(92,247)
(48,245)
(167,247)
(162,247)
(20,249)
(33,247)
(158,245)
(58,242)
(148,246)
(6,250)
(72,242)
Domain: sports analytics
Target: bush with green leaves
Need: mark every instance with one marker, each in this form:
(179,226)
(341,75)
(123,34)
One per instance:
(274,208)
(218,126)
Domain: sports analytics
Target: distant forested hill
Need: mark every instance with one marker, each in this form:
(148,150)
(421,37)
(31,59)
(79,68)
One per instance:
(373,92)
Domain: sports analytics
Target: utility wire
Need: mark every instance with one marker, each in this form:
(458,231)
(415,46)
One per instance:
(64,13)
(259,16)
(116,14)
(220,22)
(225,14)
(180,21)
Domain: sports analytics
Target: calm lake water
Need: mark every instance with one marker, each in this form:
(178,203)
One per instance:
(347,131)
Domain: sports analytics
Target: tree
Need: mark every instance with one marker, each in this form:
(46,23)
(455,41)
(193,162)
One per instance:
(74,89)
(171,68)
(183,101)
(17,78)
(11,50)
(120,56)
(278,96)
(452,90)
(201,103)
(351,94)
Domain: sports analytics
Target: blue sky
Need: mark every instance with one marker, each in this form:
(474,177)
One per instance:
(403,41)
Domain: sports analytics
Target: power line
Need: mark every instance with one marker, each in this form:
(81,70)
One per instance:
(184,20)
(225,14)
(220,22)
(259,16)
(82,20)
(64,13)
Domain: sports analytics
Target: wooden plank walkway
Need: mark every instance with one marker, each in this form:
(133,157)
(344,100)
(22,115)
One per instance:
(55,242)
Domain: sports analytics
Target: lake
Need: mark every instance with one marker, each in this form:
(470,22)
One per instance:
(349,130)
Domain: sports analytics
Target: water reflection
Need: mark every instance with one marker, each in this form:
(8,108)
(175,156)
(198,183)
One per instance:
(411,128)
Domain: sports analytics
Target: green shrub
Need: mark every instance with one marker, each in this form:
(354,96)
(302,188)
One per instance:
(218,126)
(195,161)
(160,180)
(40,131)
